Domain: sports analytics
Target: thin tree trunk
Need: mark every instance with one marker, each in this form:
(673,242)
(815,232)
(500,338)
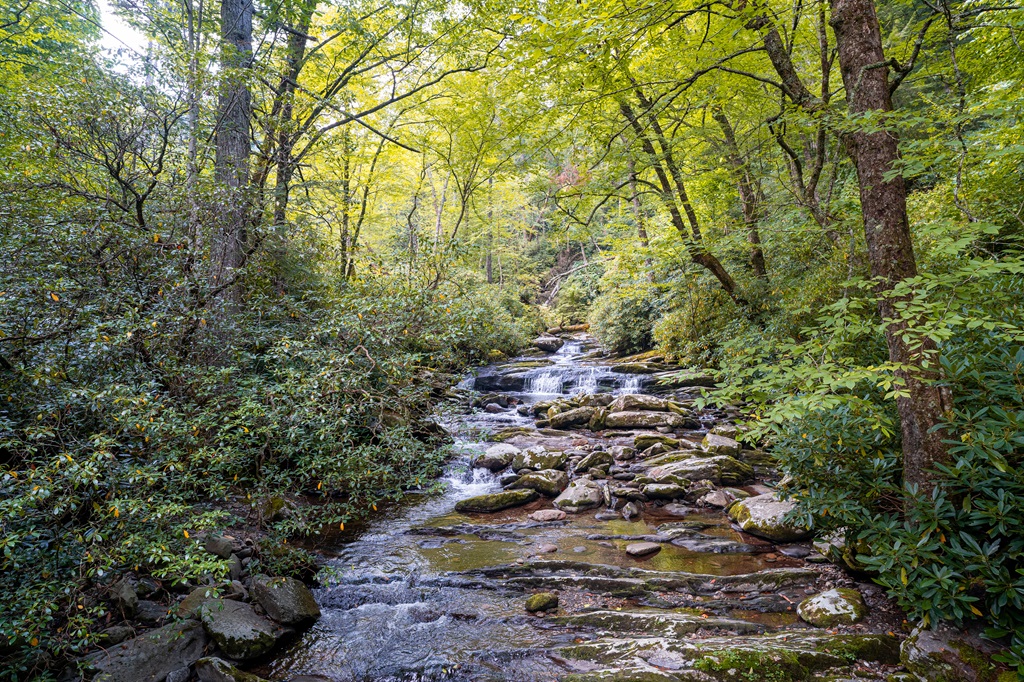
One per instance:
(887,231)
(748,190)
(294,57)
(233,142)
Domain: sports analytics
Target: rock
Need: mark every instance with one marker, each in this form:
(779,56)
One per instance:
(726,430)
(151,657)
(636,368)
(546,515)
(286,600)
(493,408)
(236,590)
(543,601)
(546,548)
(234,567)
(213,669)
(496,501)
(622,452)
(663,491)
(514,381)
(549,482)
(570,418)
(538,458)
(596,459)
(496,457)
(715,498)
(150,612)
(581,495)
(237,630)
(189,606)
(632,403)
(116,634)
(630,511)
(126,598)
(648,420)
(720,445)
(179,675)
(720,469)
(642,548)
(763,516)
(220,545)
(839,606)
(548,344)
(646,440)
(949,655)
(685,379)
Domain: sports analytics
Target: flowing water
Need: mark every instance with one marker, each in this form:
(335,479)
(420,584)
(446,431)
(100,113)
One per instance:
(426,593)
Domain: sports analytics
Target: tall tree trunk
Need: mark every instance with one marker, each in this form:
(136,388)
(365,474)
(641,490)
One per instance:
(638,209)
(750,194)
(887,232)
(233,142)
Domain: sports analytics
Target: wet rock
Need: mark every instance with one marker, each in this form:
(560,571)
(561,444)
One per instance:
(630,511)
(720,445)
(572,418)
(126,598)
(839,606)
(151,657)
(150,612)
(237,630)
(538,458)
(622,453)
(764,516)
(632,403)
(179,675)
(220,545)
(726,430)
(548,344)
(493,408)
(549,482)
(642,548)
(596,459)
(496,501)
(717,469)
(213,669)
(515,381)
(636,368)
(543,601)
(189,606)
(236,591)
(546,515)
(546,548)
(644,441)
(677,510)
(708,544)
(607,515)
(667,456)
(235,567)
(286,600)
(663,491)
(116,634)
(716,498)
(794,551)
(581,495)
(949,655)
(648,420)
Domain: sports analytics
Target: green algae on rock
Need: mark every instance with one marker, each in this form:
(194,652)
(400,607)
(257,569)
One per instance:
(542,601)
(839,606)
(494,502)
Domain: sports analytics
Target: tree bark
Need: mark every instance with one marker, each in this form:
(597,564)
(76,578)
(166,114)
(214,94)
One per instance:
(233,140)
(887,232)
(750,192)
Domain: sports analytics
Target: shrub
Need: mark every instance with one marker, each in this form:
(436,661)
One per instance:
(623,317)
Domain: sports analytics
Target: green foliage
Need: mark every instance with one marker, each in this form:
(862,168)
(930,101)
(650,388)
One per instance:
(577,294)
(622,317)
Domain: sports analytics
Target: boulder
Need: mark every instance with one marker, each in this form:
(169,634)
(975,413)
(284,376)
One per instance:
(839,606)
(153,656)
(764,516)
(622,452)
(720,445)
(515,381)
(213,669)
(237,630)
(223,546)
(548,482)
(642,548)
(726,430)
(646,440)
(648,420)
(543,601)
(546,548)
(720,469)
(548,344)
(578,416)
(546,515)
(126,598)
(286,600)
(150,612)
(595,460)
(496,457)
(636,368)
(494,502)
(633,403)
(581,495)
(663,491)
(949,655)
(631,510)
(189,606)
(538,458)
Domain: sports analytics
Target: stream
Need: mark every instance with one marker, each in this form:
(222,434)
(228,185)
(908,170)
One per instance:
(427,593)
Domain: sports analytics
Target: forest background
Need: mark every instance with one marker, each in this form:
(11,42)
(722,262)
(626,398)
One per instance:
(248,258)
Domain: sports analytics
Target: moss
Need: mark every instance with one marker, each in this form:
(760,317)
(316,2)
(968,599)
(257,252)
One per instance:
(543,601)
(496,501)
(880,648)
(751,665)
(509,434)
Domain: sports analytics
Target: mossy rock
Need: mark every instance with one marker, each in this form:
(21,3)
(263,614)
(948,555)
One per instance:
(543,601)
(839,606)
(764,516)
(495,502)
(509,434)
(949,655)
